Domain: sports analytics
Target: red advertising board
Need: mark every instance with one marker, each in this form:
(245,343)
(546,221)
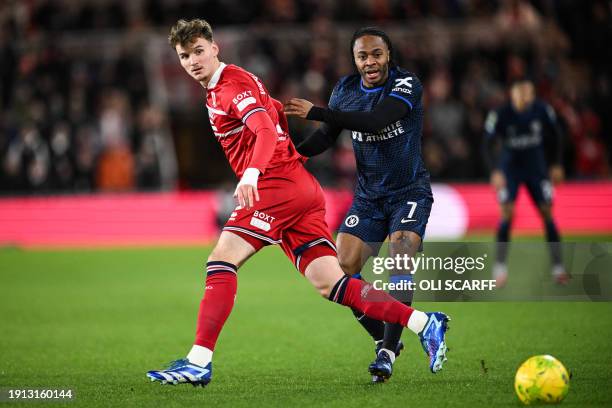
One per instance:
(177,218)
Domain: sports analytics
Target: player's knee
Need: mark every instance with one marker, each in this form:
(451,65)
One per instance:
(507,212)
(323,287)
(405,242)
(349,265)
(324,290)
(545,212)
(324,273)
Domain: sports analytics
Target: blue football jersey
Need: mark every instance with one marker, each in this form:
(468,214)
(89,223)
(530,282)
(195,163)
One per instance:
(523,135)
(389,161)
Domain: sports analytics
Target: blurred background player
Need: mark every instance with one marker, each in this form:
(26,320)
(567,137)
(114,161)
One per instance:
(279,203)
(529,152)
(381,105)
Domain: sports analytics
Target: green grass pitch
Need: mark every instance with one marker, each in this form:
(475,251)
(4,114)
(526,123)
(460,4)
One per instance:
(96,320)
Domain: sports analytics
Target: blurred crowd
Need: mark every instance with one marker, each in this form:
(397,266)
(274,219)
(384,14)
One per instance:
(86,120)
(74,121)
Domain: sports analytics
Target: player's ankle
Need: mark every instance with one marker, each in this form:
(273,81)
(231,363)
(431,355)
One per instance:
(417,321)
(200,355)
(390,353)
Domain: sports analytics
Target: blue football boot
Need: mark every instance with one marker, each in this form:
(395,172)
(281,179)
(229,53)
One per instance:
(432,340)
(183,372)
(382,367)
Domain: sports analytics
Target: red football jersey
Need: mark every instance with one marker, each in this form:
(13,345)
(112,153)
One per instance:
(233,94)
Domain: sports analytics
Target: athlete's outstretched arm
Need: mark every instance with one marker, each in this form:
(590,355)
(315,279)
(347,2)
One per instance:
(319,141)
(389,111)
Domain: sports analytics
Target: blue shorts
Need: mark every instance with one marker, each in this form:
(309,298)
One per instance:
(539,188)
(373,220)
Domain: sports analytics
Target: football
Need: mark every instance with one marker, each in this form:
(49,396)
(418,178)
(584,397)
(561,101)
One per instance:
(541,379)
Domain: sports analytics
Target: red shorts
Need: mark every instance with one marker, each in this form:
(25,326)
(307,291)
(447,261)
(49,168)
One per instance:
(290,212)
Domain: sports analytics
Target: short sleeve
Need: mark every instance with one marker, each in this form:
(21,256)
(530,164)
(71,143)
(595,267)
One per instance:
(408,89)
(243,96)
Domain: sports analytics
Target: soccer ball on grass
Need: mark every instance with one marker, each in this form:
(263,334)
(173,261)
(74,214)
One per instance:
(541,379)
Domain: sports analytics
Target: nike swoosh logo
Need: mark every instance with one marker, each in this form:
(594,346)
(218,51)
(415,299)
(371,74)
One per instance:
(403,221)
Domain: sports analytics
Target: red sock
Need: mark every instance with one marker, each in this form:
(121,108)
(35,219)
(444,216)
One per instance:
(373,303)
(217,304)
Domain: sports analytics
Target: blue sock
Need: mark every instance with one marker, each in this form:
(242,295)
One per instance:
(553,238)
(503,231)
(393,332)
(552,233)
(503,236)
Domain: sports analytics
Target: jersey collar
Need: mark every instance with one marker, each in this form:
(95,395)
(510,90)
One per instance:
(368,90)
(215,78)
(378,88)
